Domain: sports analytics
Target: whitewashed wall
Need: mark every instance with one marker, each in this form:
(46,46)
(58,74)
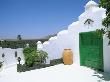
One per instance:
(106,56)
(70,38)
(20,54)
(46,48)
(10,58)
(96,14)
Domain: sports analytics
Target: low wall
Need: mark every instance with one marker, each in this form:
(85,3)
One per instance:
(9,56)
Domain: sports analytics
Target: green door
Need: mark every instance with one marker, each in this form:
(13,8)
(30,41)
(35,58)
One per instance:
(91,50)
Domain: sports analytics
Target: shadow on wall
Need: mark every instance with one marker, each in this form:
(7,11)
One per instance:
(102,76)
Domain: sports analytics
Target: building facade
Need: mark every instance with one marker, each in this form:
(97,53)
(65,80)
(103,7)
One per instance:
(88,21)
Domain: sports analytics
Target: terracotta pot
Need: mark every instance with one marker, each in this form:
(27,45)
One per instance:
(67,57)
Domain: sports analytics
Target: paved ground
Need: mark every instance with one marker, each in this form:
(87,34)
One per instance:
(58,73)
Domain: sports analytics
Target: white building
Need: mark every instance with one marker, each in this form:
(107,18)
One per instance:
(70,38)
(94,52)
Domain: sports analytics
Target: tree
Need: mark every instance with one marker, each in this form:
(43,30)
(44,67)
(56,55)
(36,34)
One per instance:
(19,37)
(106,22)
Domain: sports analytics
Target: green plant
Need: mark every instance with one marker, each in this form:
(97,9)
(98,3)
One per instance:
(34,57)
(41,56)
(23,68)
(29,54)
(56,61)
(106,21)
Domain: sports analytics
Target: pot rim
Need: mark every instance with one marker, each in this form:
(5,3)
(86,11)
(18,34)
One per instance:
(67,49)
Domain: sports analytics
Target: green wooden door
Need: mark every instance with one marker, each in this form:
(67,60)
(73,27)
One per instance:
(91,50)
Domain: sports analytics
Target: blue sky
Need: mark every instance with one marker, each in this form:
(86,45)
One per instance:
(37,18)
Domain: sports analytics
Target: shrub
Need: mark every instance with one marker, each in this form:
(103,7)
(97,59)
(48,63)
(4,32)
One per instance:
(56,61)
(41,57)
(29,54)
(34,57)
(23,68)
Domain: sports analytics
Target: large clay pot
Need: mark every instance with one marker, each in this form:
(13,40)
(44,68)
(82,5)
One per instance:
(67,57)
